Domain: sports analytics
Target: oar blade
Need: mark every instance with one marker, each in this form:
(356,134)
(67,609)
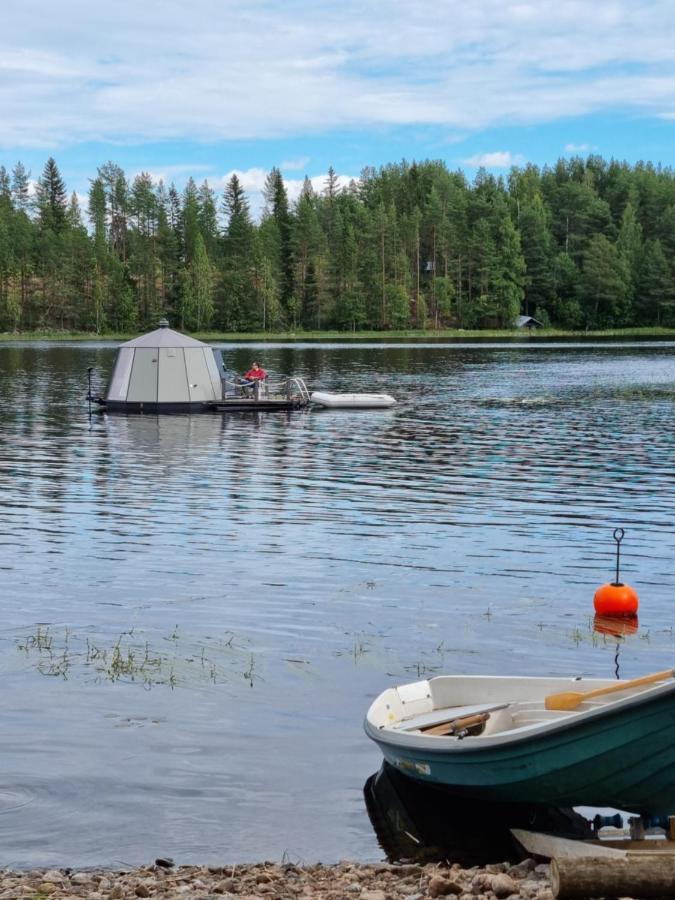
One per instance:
(567,700)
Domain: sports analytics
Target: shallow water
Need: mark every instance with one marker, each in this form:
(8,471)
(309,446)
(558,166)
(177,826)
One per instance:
(197,611)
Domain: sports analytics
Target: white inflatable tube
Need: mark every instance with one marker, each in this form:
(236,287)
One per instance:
(352,401)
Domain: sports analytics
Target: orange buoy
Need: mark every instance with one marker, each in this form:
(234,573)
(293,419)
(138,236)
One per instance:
(616,598)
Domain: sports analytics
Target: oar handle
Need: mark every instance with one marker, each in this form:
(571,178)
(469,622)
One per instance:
(570,699)
(635,682)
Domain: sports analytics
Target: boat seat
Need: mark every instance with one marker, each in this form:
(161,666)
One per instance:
(448,714)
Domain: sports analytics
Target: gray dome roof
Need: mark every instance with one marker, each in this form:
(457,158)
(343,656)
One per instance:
(164,337)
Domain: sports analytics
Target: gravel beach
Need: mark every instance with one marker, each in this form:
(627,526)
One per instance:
(379,881)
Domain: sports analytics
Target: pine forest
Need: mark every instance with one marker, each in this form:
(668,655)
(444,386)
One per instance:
(585,244)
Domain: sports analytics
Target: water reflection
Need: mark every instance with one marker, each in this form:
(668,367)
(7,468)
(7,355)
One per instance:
(618,628)
(463,531)
(424,823)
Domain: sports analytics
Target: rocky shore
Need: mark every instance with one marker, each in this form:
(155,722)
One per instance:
(352,881)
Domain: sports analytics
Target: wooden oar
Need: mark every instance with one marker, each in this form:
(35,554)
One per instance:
(453,726)
(571,699)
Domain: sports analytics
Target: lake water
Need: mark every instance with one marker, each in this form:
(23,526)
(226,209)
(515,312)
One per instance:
(197,611)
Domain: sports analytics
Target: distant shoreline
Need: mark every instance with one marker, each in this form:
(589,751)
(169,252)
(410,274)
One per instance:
(456,335)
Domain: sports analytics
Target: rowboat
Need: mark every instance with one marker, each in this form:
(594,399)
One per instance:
(558,741)
(352,401)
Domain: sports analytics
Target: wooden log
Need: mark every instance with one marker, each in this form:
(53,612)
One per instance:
(651,875)
(670,832)
(637,828)
(552,846)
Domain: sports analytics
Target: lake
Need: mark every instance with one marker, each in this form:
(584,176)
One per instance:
(197,611)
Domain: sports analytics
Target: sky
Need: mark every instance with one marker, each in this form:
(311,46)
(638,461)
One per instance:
(210,87)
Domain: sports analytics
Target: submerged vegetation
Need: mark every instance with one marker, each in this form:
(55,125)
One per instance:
(585,244)
(129,658)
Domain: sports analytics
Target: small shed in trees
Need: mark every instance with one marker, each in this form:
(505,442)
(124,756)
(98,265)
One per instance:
(164,371)
(527,322)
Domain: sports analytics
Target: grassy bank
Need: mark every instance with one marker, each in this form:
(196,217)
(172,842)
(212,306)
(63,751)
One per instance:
(450,334)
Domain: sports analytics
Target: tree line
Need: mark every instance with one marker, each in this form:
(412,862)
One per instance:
(582,244)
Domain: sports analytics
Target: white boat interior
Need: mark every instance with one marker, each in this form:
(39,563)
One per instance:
(486,706)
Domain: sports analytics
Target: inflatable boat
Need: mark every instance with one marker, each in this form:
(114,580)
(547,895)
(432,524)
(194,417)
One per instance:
(352,401)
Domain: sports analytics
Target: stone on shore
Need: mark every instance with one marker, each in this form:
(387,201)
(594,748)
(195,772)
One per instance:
(362,881)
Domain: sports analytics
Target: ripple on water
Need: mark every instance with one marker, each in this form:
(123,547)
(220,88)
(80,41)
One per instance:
(263,577)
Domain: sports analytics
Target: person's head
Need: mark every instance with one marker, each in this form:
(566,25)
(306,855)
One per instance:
(255,365)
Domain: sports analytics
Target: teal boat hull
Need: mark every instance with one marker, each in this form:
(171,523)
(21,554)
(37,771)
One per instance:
(624,758)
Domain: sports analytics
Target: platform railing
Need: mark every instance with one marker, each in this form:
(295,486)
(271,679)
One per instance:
(291,388)
(300,389)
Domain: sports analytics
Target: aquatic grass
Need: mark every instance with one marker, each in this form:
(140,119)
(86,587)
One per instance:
(421,668)
(358,648)
(250,673)
(40,641)
(132,659)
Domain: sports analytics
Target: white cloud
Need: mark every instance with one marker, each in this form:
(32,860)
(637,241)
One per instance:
(237,70)
(169,173)
(251,180)
(294,165)
(500,159)
(294,186)
(580,148)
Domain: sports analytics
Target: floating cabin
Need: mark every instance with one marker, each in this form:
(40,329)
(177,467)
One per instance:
(168,372)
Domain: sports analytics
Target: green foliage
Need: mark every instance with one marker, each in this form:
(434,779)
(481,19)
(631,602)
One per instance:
(51,198)
(398,306)
(581,244)
(656,301)
(605,285)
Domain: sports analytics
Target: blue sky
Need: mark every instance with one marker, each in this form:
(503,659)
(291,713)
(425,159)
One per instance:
(217,86)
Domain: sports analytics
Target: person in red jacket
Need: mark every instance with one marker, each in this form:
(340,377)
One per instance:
(255,373)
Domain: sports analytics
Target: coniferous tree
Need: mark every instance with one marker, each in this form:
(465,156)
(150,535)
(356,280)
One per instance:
(604,287)
(202,284)
(656,293)
(308,252)
(538,253)
(7,317)
(142,245)
(208,218)
(51,198)
(21,187)
(276,200)
(117,207)
(190,219)
(629,246)
(100,287)
(168,251)
(584,243)
(509,275)
(241,305)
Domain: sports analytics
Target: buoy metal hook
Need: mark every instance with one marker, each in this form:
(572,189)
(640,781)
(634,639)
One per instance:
(618,537)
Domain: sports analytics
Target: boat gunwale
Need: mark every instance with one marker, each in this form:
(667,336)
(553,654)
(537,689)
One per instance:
(444,744)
